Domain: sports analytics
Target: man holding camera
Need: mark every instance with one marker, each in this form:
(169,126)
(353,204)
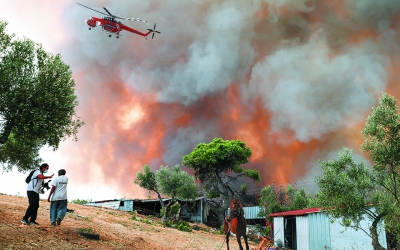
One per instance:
(59,201)
(33,194)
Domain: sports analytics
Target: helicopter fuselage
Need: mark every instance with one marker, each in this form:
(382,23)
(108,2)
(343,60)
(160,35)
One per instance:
(107,25)
(111,26)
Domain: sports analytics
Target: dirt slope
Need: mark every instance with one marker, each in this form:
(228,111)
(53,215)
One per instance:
(116,230)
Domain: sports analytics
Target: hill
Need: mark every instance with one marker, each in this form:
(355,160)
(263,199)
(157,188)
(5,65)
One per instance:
(115,229)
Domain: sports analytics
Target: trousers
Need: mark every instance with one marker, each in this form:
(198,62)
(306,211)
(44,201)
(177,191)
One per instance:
(31,211)
(58,209)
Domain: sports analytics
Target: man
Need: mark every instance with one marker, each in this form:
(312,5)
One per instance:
(33,194)
(58,205)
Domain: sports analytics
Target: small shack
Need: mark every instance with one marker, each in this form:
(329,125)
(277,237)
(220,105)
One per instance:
(121,204)
(192,211)
(311,229)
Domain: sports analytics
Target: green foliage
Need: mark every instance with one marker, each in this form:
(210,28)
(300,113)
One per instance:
(382,141)
(345,186)
(81,202)
(180,225)
(147,221)
(301,200)
(348,190)
(218,156)
(252,174)
(37,102)
(217,166)
(221,230)
(175,182)
(172,211)
(172,182)
(146,179)
(274,199)
(86,230)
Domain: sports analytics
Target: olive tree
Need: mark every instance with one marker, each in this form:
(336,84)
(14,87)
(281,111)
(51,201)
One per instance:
(382,141)
(218,167)
(37,102)
(353,191)
(172,182)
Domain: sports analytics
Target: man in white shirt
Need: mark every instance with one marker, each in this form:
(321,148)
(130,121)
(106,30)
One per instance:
(59,201)
(33,194)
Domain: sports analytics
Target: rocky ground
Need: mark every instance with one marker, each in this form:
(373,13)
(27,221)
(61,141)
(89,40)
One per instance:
(115,230)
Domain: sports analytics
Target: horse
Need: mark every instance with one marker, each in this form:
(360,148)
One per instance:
(236,223)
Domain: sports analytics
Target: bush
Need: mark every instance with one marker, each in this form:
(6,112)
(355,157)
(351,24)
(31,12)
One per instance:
(81,202)
(180,225)
(172,210)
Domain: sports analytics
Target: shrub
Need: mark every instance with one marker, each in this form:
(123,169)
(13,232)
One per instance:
(81,202)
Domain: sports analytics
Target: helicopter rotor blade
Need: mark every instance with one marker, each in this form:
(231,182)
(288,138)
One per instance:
(108,12)
(154,31)
(136,19)
(93,9)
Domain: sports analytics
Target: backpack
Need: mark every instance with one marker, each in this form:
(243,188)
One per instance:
(29,177)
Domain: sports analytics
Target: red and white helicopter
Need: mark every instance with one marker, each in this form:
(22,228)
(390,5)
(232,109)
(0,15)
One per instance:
(111,26)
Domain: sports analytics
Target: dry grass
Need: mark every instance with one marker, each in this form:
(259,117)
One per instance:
(116,230)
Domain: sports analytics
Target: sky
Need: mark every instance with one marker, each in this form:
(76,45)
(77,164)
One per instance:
(294,80)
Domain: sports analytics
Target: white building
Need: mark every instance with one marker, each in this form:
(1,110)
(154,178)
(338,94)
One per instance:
(311,229)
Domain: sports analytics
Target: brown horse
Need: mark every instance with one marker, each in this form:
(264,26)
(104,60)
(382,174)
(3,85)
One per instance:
(236,223)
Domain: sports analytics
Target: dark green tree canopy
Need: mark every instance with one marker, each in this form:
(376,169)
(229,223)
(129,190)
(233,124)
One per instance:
(208,159)
(218,166)
(37,102)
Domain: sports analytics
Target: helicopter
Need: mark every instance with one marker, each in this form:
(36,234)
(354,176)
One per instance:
(110,25)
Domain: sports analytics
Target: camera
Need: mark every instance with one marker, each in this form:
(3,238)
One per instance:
(45,185)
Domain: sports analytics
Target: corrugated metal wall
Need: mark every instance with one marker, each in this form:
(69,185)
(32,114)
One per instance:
(107,204)
(128,206)
(319,234)
(302,233)
(252,212)
(249,213)
(279,230)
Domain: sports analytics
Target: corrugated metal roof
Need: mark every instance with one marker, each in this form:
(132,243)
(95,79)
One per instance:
(296,212)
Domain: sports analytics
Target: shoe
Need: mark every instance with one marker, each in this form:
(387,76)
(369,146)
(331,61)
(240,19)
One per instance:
(25,222)
(34,223)
(58,221)
(53,224)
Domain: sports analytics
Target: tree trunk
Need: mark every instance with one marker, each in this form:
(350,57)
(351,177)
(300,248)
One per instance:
(219,211)
(164,218)
(374,233)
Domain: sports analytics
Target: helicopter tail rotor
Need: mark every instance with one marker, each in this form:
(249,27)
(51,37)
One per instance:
(154,31)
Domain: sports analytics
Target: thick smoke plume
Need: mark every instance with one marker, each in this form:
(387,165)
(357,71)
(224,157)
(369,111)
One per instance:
(295,80)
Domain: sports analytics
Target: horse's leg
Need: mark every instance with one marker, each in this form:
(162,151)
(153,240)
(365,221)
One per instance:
(227,239)
(239,241)
(245,241)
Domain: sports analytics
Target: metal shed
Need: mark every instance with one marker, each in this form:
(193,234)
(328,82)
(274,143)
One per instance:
(121,204)
(311,229)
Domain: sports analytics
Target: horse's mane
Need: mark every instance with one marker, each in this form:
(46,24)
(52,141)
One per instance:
(234,201)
